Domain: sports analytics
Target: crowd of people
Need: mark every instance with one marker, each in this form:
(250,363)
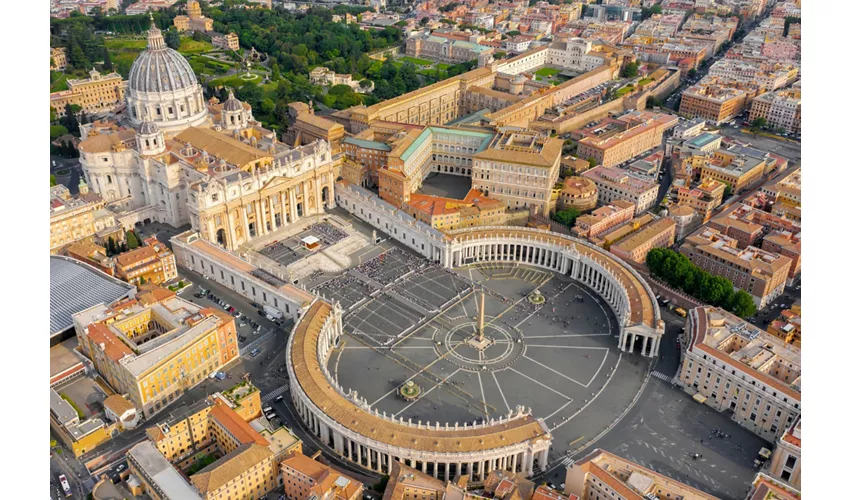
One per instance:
(332,288)
(328,233)
(378,269)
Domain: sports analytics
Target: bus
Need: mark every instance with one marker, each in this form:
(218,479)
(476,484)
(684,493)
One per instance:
(65,486)
(681,312)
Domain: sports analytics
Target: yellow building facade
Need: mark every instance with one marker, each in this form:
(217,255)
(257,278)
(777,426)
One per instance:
(94,94)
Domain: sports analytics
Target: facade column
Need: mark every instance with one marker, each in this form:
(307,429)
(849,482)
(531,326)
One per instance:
(632,344)
(350,455)
(436,470)
(368,458)
(245,223)
(293,211)
(272,214)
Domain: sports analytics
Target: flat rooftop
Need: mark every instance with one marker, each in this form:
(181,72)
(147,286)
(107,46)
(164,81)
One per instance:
(75,286)
(164,476)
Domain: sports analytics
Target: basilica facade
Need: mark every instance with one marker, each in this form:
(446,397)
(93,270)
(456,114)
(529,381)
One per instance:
(173,157)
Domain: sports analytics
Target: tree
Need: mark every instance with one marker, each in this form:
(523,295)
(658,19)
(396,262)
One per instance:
(513,33)
(424,21)
(401,24)
(172,39)
(57,131)
(197,36)
(727,191)
(107,60)
(741,304)
(110,246)
(52,180)
(141,280)
(692,73)
(567,217)
(132,240)
(653,102)
(70,120)
(630,70)
(500,55)
(593,162)
(759,123)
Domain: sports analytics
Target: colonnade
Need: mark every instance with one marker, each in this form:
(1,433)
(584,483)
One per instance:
(580,267)
(525,456)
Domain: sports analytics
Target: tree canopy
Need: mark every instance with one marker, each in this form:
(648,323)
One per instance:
(567,217)
(630,70)
(679,272)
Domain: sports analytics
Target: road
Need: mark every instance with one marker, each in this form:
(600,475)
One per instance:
(666,427)
(71,180)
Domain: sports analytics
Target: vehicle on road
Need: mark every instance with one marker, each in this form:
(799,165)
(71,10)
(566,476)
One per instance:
(255,352)
(681,312)
(65,486)
(278,399)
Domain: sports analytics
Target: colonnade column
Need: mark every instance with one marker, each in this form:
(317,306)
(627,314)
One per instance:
(271,213)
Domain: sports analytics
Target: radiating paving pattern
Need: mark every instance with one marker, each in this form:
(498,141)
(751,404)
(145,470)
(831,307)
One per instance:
(556,359)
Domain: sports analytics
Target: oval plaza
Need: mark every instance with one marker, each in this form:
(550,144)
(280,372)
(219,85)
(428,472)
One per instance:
(517,441)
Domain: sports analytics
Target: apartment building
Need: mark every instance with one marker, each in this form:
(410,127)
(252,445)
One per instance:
(760,273)
(94,94)
(714,103)
(658,234)
(58,61)
(785,462)
(605,476)
(73,218)
(737,170)
(475,209)
(229,41)
(703,198)
(780,110)
(151,263)
(518,167)
(788,327)
(615,184)
(749,225)
(612,141)
(603,218)
(158,479)
(739,368)
(769,75)
(224,425)
(155,346)
(304,478)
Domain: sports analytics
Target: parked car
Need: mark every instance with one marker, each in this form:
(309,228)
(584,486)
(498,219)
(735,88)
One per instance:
(221,376)
(255,352)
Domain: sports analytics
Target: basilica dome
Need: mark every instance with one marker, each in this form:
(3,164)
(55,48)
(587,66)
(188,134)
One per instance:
(163,88)
(160,69)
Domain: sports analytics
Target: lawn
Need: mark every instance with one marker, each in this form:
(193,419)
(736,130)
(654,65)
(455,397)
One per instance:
(58,81)
(417,61)
(443,66)
(645,81)
(190,46)
(547,72)
(624,90)
(207,65)
(125,50)
(200,464)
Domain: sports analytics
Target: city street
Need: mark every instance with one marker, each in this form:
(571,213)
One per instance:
(665,428)
(71,180)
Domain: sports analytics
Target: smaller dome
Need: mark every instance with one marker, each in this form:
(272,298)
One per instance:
(148,128)
(232,103)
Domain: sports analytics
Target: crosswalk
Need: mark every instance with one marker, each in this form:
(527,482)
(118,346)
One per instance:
(275,393)
(659,375)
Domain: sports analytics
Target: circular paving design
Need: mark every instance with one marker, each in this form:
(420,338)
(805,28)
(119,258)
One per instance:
(505,347)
